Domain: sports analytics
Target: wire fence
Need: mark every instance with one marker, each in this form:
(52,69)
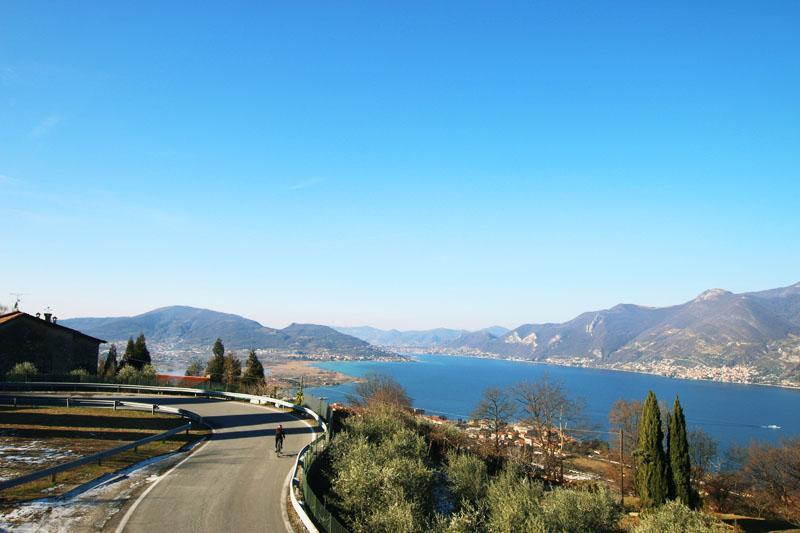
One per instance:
(322,516)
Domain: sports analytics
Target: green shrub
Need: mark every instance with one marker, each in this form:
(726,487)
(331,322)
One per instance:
(398,517)
(381,480)
(674,517)
(513,503)
(81,374)
(466,477)
(127,374)
(470,518)
(568,511)
(130,375)
(148,375)
(22,371)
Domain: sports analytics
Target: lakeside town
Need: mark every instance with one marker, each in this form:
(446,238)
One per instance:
(667,367)
(173,358)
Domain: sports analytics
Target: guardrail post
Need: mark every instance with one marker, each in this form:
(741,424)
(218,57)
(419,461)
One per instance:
(15,401)
(67,403)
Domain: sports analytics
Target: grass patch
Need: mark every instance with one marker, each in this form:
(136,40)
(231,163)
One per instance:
(34,438)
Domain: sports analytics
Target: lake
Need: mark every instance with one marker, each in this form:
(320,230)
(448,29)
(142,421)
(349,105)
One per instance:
(452,386)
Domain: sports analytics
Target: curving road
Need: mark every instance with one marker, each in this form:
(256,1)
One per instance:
(233,482)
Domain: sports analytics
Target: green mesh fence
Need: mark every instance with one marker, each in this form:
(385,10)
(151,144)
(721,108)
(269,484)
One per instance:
(318,510)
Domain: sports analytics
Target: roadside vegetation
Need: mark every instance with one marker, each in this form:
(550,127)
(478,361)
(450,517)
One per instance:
(34,438)
(389,470)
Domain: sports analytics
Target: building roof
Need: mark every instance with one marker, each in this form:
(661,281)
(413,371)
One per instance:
(14,315)
(10,316)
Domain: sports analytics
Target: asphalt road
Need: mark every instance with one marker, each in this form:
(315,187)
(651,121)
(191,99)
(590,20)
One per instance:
(234,482)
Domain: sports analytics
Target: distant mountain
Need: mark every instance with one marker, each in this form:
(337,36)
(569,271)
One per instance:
(495,330)
(716,329)
(190,326)
(429,339)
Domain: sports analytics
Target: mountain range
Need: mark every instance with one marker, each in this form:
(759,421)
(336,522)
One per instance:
(191,326)
(425,339)
(755,331)
(716,329)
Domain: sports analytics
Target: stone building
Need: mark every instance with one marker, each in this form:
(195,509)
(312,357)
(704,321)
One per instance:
(53,348)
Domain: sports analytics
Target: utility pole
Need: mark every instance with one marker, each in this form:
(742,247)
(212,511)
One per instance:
(621,467)
(561,450)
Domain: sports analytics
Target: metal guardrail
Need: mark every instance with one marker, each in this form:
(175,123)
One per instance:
(185,391)
(113,387)
(98,457)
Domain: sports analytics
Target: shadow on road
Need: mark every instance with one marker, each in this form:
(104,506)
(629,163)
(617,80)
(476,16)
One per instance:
(254,419)
(264,432)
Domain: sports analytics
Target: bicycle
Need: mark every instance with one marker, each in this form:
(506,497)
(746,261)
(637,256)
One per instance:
(278,445)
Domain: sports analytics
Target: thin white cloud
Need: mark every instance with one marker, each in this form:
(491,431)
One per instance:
(44,127)
(7,180)
(306,184)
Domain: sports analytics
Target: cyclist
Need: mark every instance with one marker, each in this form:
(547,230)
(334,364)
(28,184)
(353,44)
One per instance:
(279,435)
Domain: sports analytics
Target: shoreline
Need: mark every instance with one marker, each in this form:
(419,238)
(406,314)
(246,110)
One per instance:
(413,357)
(313,376)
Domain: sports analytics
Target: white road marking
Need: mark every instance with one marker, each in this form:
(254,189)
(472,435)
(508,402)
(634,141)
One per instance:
(129,513)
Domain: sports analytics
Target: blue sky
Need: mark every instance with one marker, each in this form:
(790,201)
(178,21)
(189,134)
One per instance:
(400,164)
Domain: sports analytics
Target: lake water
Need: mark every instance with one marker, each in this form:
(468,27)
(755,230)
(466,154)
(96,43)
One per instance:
(452,386)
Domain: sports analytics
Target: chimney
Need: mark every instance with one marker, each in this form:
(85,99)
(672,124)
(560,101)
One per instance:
(47,316)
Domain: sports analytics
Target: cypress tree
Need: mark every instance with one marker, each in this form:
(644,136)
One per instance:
(679,461)
(216,365)
(651,462)
(129,355)
(110,364)
(219,348)
(254,371)
(141,353)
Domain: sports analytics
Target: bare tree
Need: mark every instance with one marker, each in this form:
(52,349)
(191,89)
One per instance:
(703,449)
(497,409)
(232,369)
(380,389)
(545,406)
(772,474)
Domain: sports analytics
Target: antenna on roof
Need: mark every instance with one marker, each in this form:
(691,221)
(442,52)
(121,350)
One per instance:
(17,296)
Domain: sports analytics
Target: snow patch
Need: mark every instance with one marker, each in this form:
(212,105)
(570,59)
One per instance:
(87,511)
(14,456)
